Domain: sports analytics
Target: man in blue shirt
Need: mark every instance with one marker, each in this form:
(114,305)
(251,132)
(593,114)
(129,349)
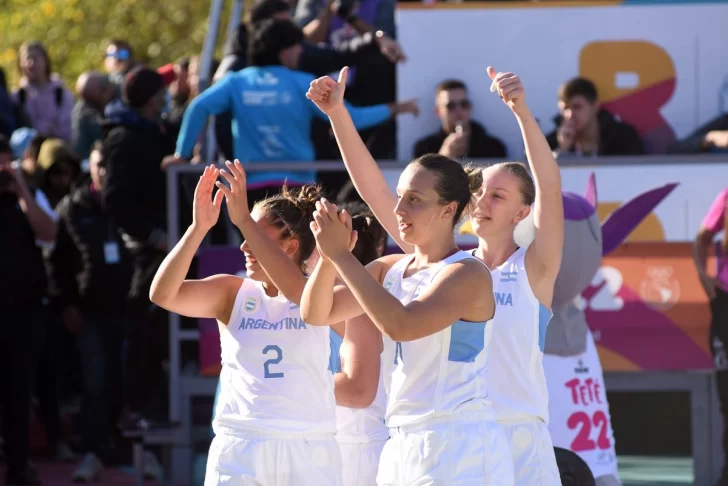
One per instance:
(271,115)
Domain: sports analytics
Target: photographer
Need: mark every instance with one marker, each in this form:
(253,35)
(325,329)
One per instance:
(26,223)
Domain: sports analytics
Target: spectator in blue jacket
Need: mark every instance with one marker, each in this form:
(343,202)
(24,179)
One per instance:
(271,115)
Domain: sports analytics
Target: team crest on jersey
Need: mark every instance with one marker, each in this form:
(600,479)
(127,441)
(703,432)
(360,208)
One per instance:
(251,304)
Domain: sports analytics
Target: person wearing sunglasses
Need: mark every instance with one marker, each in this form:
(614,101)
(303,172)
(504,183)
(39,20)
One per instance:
(118,61)
(459,136)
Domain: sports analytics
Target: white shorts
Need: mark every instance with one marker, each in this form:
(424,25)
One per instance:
(463,449)
(534,462)
(243,460)
(361,462)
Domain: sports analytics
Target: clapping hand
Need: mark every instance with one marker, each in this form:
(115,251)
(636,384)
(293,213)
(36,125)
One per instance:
(206,209)
(237,194)
(332,230)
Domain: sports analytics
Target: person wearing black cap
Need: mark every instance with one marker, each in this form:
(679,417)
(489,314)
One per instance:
(135,200)
(271,116)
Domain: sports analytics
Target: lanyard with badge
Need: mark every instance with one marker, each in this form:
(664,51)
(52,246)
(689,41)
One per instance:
(111,247)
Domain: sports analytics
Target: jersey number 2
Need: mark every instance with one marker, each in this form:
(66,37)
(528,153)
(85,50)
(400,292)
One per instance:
(272,361)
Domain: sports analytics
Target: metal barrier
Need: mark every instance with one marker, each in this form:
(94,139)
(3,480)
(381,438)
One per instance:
(184,386)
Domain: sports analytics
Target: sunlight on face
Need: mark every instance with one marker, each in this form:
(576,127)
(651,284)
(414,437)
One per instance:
(418,205)
(497,203)
(254,270)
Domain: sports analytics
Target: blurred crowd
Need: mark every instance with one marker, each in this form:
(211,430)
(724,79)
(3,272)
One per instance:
(83,201)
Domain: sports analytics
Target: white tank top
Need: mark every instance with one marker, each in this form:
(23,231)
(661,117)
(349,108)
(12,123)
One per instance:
(580,419)
(438,374)
(359,425)
(516,379)
(275,373)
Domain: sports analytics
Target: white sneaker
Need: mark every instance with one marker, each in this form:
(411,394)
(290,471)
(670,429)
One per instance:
(88,469)
(152,468)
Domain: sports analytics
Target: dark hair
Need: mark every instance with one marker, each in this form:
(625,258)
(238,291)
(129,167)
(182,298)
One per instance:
(578,87)
(518,169)
(183,63)
(34,145)
(26,46)
(269,38)
(237,43)
(453,183)
(265,9)
(371,236)
(140,85)
(292,211)
(450,84)
(5,147)
(122,46)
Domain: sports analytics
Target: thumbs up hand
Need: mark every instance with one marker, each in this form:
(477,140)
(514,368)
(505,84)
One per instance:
(509,88)
(328,94)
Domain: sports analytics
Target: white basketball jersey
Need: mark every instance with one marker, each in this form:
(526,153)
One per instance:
(580,419)
(275,373)
(438,374)
(516,379)
(359,425)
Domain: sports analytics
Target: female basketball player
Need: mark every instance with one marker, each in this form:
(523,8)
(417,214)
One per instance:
(435,305)
(356,357)
(275,419)
(523,278)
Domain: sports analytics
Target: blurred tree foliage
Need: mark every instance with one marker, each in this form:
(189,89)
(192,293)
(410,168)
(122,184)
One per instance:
(76,32)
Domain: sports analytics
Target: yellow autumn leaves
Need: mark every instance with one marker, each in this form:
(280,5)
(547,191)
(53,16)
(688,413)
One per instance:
(76,31)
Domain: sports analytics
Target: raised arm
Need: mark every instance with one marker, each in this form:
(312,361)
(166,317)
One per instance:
(355,385)
(283,271)
(543,257)
(212,297)
(214,100)
(323,302)
(368,179)
(456,293)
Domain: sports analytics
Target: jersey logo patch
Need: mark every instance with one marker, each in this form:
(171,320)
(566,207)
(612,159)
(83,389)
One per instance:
(251,304)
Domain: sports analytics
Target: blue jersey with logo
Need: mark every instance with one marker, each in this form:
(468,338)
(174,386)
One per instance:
(271,119)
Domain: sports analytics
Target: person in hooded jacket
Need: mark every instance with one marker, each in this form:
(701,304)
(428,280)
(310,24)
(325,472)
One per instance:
(134,195)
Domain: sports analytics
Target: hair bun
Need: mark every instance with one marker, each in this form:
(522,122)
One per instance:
(304,197)
(475,176)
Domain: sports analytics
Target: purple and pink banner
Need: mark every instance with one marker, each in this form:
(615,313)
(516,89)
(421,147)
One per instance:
(645,306)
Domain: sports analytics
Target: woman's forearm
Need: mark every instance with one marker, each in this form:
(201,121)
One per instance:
(317,299)
(174,268)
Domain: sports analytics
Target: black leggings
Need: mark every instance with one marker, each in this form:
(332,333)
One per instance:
(719,348)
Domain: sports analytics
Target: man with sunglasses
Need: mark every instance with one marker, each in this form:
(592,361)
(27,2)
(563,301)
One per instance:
(459,136)
(118,61)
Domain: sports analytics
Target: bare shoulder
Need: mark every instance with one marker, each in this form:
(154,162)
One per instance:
(467,272)
(225,281)
(379,267)
(225,285)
